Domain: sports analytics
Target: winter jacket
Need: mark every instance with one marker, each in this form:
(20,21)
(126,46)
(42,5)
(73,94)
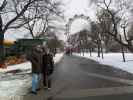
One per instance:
(36,59)
(48,64)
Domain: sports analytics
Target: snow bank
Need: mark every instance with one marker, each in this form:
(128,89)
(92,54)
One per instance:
(23,66)
(13,86)
(27,65)
(58,57)
(113,59)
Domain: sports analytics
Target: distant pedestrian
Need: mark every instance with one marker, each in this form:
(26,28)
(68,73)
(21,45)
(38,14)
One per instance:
(48,68)
(36,60)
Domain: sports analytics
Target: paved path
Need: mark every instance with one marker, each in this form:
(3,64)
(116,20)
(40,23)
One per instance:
(78,78)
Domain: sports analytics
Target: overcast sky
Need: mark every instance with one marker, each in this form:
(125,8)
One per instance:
(79,7)
(71,8)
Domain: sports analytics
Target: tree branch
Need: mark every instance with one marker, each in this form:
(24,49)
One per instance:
(18,15)
(3,5)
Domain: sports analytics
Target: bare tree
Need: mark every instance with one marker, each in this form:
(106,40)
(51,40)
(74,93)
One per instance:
(1,33)
(12,15)
(54,44)
(105,23)
(82,41)
(42,15)
(115,19)
(13,10)
(97,37)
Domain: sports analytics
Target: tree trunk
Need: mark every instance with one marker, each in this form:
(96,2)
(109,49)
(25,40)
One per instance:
(83,50)
(122,50)
(1,43)
(90,52)
(102,51)
(98,47)
(1,46)
(123,54)
(129,46)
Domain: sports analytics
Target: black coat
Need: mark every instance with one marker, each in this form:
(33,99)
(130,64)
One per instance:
(48,64)
(36,60)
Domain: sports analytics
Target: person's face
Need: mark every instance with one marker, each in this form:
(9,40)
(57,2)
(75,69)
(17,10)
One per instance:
(38,48)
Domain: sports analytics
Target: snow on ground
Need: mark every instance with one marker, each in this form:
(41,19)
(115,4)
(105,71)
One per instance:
(58,57)
(113,59)
(26,66)
(17,84)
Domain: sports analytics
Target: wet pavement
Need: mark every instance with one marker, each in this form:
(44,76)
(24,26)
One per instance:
(84,79)
(72,73)
(104,69)
(109,97)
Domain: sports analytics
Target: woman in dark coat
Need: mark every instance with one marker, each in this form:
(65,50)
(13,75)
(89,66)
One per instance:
(48,67)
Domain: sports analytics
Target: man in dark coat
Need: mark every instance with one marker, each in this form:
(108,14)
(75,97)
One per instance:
(36,60)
